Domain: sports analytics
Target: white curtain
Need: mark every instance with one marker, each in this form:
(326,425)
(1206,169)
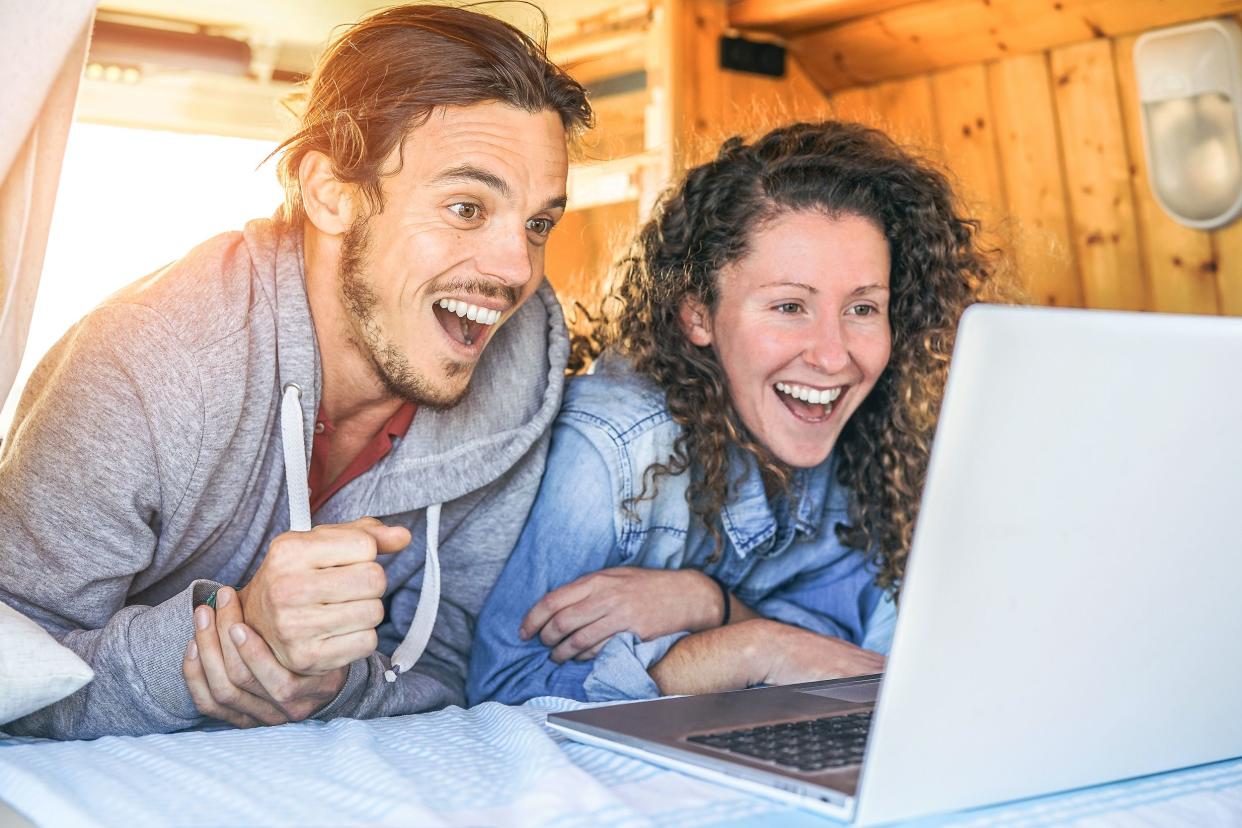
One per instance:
(42,50)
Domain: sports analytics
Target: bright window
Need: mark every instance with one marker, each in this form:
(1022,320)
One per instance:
(131,201)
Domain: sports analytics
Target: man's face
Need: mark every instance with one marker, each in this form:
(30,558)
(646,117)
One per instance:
(457,248)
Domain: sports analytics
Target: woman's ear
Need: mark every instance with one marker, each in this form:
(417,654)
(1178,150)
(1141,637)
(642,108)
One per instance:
(328,202)
(696,321)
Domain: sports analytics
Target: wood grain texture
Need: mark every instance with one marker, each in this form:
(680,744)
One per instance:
(789,17)
(1097,167)
(1227,261)
(1029,150)
(968,135)
(939,34)
(583,247)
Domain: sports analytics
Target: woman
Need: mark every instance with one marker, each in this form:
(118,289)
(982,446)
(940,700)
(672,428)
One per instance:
(730,496)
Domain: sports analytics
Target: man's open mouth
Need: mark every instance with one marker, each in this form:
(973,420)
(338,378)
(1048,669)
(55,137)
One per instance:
(812,405)
(465,323)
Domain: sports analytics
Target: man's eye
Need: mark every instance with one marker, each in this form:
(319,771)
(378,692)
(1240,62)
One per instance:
(466,210)
(540,226)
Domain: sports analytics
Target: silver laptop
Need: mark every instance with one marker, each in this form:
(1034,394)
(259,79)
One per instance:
(1072,609)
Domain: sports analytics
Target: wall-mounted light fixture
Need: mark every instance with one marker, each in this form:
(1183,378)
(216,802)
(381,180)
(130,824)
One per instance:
(1190,94)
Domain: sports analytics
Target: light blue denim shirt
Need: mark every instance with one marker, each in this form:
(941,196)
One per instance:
(781,558)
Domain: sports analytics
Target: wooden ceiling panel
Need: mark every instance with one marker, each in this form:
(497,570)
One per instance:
(938,34)
(791,17)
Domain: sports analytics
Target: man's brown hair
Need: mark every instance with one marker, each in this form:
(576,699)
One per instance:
(385,75)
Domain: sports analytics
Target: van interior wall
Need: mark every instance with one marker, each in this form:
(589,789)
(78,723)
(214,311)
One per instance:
(1029,105)
(1046,149)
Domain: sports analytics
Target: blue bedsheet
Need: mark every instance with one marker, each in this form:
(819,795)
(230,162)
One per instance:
(490,765)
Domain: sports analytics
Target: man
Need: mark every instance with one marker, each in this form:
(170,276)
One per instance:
(381,325)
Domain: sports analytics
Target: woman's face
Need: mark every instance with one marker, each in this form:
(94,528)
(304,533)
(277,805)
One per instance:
(801,330)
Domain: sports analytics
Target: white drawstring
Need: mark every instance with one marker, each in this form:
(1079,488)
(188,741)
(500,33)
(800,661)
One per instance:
(293,437)
(411,649)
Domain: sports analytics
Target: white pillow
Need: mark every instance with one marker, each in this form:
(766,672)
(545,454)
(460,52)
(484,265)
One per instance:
(35,670)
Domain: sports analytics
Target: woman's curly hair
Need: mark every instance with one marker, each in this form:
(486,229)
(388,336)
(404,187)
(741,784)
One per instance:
(707,222)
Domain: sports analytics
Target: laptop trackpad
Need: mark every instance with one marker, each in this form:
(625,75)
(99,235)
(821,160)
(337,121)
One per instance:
(855,693)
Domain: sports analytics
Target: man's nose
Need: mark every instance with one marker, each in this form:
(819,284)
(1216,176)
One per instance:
(508,257)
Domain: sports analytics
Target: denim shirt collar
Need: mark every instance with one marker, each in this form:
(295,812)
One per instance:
(755,526)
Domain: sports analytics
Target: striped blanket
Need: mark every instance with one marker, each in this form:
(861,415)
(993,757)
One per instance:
(490,765)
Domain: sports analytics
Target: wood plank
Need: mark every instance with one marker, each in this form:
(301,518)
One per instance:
(938,34)
(594,48)
(903,109)
(754,104)
(620,128)
(1227,246)
(790,17)
(907,113)
(1179,262)
(583,247)
(1097,169)
(968,136)
(968,141)
(855,104)
(1029,150)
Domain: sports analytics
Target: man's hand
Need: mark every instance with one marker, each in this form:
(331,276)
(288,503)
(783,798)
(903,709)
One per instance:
(233,676)
(316,597)
(795,655)
(577,619)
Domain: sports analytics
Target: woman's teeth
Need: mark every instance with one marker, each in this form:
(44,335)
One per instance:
(472,312)
(809,395)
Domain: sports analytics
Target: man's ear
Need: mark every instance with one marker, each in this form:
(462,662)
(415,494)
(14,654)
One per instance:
(696,321)
(328,202)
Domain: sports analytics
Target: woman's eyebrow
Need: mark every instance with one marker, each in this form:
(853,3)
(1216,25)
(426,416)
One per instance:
(802,285)
(869,288)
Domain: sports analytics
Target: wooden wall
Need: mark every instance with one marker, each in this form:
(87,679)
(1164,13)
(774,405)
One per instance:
(1044,145)
(1046,150)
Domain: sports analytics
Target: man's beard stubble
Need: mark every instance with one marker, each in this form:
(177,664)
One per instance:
(391,365)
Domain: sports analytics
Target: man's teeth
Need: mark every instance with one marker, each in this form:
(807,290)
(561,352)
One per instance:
(472,312)
(810,395)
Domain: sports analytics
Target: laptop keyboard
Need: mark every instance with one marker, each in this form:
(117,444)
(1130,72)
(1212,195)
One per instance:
(807,746)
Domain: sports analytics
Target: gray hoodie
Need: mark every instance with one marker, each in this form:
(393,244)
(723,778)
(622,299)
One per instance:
(144,469)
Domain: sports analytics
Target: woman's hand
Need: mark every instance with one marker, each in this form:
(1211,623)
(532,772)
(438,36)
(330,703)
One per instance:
(795,655)
(576,620)
(757,651)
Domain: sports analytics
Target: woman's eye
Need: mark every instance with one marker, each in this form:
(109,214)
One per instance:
(540,226)
(466,210)
(789,307)
(863,310)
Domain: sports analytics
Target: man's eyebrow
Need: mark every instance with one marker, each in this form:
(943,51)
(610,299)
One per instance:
(554,203)
(470,173)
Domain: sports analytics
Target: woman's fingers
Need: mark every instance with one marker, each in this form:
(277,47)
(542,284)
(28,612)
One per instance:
(586,641)
(567,623)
